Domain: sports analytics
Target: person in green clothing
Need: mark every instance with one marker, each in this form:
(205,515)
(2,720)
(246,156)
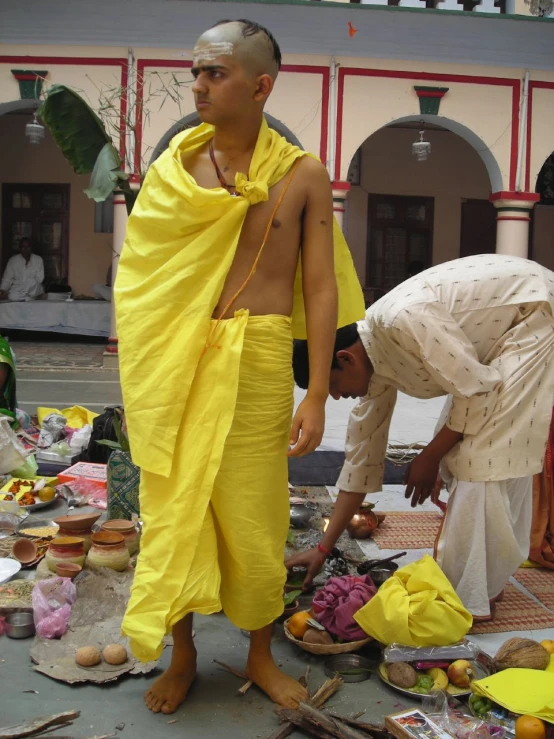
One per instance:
(8,402)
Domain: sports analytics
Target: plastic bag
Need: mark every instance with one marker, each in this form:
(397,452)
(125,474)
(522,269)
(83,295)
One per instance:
(52,600)
(52,430)
(26,470)
(399,653)
(12,451)
(80,439)
(455,720)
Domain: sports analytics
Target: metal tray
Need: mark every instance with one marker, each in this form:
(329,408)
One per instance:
(38,506)
(480,672)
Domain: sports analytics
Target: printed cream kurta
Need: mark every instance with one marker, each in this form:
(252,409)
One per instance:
(481,330)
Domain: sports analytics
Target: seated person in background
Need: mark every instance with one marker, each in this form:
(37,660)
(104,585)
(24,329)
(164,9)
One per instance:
(8,403)
(24,275)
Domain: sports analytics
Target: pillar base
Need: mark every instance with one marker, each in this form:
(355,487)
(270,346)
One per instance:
(111,356)
(110,361)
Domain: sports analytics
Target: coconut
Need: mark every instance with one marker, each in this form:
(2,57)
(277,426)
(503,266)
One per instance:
(402,674)
(519,652)
(87,656)
(115,654)
(316,636)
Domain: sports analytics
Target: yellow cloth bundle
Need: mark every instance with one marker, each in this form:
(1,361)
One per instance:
(417,607)
(76,416)
(523,691)
(181,241)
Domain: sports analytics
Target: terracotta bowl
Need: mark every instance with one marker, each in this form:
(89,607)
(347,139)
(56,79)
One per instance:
(118,525)
(69,569)
(25,551)
(107,538)
(66,541)
(77,522)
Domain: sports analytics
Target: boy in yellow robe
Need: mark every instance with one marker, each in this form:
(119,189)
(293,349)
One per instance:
(209,294)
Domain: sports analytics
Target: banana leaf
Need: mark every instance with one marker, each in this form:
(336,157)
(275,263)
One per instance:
(75,127)
(106,174)
(85,143)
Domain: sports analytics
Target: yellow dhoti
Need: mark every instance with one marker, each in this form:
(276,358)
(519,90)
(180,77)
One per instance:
(215,529)
(208,403)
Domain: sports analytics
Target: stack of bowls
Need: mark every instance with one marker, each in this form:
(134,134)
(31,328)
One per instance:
(64,549)
(109,550)
(79,525)
(127,530)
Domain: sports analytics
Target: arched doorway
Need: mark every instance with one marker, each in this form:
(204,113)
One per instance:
(43,199)
(542,237)
(193,120)
(404,215)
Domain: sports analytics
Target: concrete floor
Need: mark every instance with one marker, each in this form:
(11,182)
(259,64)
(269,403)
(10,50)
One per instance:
(213,709)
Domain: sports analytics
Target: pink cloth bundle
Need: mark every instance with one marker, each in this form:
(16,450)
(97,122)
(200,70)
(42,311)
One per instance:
(335,605)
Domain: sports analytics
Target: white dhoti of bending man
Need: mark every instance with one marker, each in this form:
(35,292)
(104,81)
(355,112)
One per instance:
(481,331)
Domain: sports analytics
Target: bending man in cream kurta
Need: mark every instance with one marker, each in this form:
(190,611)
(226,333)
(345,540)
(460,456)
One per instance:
(209,296)
(480,330)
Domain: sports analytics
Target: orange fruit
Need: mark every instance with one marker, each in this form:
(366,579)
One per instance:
(298,623)
(548,644)
(529,727)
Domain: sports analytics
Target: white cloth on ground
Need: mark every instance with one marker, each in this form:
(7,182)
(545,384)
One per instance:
(485,538)
(23,280)
(480,329)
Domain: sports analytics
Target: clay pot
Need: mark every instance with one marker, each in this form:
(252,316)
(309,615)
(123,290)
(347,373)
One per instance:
(68,569)
(84,534)
(78,525)
(109,550)
(362,525)
(127,530)
(25,551)
(64,549)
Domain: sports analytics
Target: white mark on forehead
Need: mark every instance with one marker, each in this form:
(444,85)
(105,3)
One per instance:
(210,52)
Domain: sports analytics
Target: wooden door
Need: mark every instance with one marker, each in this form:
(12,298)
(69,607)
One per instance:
(39,212)
(478,232)
(400,232)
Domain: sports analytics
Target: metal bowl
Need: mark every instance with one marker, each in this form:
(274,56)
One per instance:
(380,573)
(20,625)
(300,515)
(350,667)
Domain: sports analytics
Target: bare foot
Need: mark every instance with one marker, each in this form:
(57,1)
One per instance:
(282,689)
(170,690)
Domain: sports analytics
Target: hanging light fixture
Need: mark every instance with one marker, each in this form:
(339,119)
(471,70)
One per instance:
(421,149)
(34,131)
(540,7)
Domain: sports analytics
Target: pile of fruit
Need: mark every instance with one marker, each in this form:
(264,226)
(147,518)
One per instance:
(424,678)
(303,626)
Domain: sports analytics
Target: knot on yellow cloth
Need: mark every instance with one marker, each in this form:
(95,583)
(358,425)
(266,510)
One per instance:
(254,192)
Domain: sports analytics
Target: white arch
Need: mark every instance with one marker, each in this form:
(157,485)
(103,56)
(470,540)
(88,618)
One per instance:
(193,120)
(489,160)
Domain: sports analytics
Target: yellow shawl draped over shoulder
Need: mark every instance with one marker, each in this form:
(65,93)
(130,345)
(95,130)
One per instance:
(180,244)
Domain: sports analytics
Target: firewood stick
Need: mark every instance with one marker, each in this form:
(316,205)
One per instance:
(322,695)
(236,673)
(245,688)
(37,725)
(332,726)
(295,719)
(329,688)
(304,679)
(376,731)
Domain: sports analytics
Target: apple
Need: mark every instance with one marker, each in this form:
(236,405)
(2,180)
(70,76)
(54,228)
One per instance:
(460,673)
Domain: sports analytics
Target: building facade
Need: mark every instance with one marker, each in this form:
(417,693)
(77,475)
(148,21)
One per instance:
(360,81)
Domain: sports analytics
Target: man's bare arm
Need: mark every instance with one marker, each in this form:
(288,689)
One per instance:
(319,288)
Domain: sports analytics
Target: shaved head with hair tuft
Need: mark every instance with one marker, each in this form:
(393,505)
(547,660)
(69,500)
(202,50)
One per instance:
(252,45)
